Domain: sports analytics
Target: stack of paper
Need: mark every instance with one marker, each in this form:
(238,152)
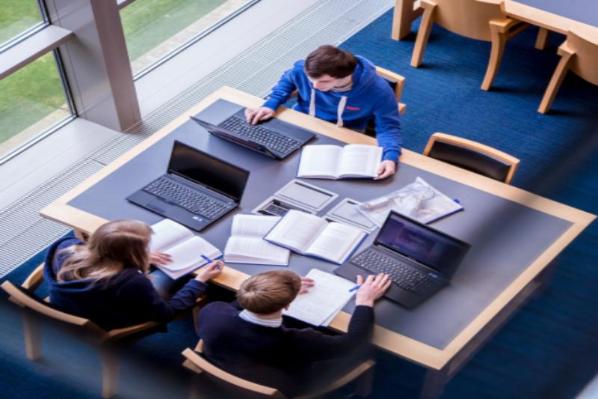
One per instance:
(324,300)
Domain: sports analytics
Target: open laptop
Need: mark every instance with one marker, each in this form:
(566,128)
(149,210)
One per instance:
(196,190)
(273,138)
(419,259)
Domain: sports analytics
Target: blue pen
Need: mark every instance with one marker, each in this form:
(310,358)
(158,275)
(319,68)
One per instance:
(355,288)
(208,260)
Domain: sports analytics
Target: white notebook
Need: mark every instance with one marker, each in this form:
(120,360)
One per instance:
(312,235)
(185,248)
(247,244)
(323,301)
(336,162)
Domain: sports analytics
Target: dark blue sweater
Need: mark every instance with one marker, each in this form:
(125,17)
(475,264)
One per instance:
(124,299)
(281,357)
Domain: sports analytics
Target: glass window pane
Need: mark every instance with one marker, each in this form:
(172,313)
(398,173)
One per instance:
(154,28)
(31,100)
(16,16)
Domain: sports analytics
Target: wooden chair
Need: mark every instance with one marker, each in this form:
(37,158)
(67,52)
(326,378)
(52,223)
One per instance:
(473,156)
(579,54)
(33,307)
(476,19)
(195,362)
(397,82)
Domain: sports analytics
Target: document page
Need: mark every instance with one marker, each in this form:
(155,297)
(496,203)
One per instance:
(254,250)
(336,242)
(319,161)
(253,225)
(359,160)
(167,233)
(296,230)
(324,300)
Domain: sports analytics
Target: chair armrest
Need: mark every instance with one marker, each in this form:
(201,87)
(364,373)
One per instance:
(426,4)
(34,279)
(565,50)
(126,331)
(504,24)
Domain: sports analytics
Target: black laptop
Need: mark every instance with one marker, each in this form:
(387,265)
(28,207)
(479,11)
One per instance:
(274,138)
(419,259)
(196,190)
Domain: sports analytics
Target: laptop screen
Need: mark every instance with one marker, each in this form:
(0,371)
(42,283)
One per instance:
(207,170)
(422,243)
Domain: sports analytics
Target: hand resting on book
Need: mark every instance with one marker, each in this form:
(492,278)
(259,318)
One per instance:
(386,169)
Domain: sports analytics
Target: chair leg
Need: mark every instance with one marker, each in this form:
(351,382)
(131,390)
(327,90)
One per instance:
(555,83)
(422,37)
(541,39)
(109,371)
(32,336)
(499,40)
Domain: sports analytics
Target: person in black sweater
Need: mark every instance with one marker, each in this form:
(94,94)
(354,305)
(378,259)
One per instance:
(106,279)
(252,342)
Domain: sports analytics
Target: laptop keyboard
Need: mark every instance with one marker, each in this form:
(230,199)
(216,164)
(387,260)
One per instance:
(185,197)
(268,138)
(400,273)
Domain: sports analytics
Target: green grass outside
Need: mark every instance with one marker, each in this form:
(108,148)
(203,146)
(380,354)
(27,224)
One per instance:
(35,91)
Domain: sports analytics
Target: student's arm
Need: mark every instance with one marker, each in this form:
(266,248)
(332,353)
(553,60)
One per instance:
(282,91)
(388,127)
(311,345)
(142,295)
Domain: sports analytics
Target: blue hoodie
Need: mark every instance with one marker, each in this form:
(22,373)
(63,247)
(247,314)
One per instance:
(125,299)
(370,96)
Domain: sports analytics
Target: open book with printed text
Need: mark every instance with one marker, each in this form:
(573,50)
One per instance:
(247,245)
(336,162)
(312,235)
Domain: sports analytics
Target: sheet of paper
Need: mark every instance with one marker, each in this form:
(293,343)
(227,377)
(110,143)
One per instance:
(324,300)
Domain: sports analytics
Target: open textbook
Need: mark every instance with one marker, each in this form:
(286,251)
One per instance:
(323,301)
(335,162)
(417,200)
(312,235)
(247,244)
(186,249)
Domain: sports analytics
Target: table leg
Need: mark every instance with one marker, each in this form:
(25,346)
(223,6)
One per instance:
(434,382)
(404,13)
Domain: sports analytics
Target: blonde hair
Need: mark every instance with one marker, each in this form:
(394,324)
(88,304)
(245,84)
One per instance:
(269,292)
(111,248)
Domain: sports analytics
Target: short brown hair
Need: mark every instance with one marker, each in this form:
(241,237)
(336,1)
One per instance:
(269,292)
(331,61)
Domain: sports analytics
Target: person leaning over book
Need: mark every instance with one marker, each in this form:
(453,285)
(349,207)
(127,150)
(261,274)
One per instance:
(251,341)
(334,85)
(106,279)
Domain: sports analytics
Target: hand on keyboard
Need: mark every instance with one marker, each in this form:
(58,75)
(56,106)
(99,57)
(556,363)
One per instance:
(254,115)
(371,288)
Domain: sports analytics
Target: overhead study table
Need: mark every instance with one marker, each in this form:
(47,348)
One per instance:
(514,234)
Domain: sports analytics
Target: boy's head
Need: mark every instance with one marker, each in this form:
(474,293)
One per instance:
(329,67)
(269,292)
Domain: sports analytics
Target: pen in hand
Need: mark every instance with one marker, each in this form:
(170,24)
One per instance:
(355,288)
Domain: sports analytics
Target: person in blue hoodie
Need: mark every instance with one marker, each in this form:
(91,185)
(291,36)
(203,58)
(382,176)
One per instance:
(105,279)
(334,85)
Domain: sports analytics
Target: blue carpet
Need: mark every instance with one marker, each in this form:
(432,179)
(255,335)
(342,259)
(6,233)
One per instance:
(548,350)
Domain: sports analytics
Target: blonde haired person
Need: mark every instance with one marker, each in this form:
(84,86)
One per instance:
(106,279)
(251,340)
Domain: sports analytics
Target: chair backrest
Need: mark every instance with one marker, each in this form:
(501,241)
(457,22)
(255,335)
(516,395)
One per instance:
(469,18)
(472,156)
(23,297)
(395,81)
(585,62)
(197,362)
